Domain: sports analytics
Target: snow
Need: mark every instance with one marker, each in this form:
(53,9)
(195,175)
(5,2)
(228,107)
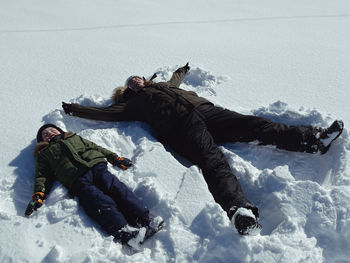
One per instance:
(284,60)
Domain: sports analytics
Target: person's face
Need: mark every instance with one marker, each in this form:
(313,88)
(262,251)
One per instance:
(136,84)
(49,133)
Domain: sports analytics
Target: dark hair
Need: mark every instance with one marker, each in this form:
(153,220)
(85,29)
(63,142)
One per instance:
(39,137)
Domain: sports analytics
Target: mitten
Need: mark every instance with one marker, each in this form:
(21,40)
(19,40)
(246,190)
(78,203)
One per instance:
(187,67)
(35,203)
(121,162)
(67,108)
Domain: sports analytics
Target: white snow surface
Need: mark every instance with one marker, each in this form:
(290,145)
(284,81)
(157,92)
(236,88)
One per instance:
(285,60)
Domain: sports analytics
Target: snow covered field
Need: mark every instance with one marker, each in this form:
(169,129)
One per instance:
(285,60)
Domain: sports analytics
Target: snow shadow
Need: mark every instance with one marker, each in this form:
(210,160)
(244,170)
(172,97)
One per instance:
(182,160)
(150,196)
(211,225)
(23,186)
(318,168)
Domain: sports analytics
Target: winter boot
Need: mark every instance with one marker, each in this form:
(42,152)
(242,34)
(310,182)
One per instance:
(327,136)
(131,236)
(155,224)
(246,222)
(152,224)
(247,225)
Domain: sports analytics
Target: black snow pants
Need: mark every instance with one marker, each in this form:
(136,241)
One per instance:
(196,136)
(106,200)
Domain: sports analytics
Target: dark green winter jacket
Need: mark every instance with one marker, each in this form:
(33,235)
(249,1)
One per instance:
(65,159)
(161,105)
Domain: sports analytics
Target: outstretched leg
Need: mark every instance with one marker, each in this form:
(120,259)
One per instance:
(230,126)
(99,206)
(192,140)
(127,202)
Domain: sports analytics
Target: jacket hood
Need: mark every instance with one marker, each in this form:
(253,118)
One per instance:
(117,96)
(41,145)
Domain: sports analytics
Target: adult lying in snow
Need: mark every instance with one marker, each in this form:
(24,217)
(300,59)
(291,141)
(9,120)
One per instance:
(80,165)
(192,126)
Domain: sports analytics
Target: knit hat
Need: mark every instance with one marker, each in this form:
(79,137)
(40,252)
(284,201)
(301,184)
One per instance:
(39,137)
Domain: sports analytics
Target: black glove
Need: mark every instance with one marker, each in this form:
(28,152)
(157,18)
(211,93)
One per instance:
(187,67)
(67,108)
(35,203)
(121,162)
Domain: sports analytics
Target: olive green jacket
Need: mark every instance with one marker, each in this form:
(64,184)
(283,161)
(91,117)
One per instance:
(64,160)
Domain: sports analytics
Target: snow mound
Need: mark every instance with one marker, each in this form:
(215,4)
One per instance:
(280,112)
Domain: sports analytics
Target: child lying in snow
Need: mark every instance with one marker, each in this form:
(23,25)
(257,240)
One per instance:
(80,165)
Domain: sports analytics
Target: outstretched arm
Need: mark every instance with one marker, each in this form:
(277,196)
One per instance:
(43,175)
(111,157)
(42,186)
(178,76)
(111,113)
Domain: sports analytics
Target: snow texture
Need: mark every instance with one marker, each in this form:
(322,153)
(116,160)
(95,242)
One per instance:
(257,58)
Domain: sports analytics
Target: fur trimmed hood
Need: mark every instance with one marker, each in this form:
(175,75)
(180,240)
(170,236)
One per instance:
(118,93)
(41,145)
(117,96)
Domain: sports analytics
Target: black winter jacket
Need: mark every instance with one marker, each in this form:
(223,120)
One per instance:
(162,105)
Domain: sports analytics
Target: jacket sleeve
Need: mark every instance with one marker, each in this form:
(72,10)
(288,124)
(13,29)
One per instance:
(112,113)
(107,153)
(177,77)
(43,176)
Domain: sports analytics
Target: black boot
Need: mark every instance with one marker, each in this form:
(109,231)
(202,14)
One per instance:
(327,136)
(155,224)
(245,221)
(130,236)
(152,224)
(247,225)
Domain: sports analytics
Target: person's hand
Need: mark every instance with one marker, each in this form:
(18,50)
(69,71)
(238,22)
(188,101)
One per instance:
(121,162)
(67,107)
(35,203)
(187,67)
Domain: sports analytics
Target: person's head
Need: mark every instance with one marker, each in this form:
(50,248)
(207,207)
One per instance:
(135,83)
(47,132)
